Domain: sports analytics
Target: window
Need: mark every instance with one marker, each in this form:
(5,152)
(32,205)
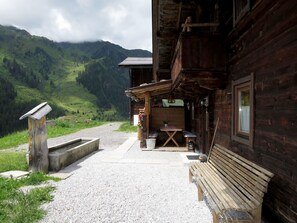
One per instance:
(172,103)
(240,7)
(242,109)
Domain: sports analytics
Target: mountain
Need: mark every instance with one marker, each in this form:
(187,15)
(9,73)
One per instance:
(80,79)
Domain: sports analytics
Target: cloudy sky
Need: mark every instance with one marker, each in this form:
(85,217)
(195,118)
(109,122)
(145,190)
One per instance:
(123,22)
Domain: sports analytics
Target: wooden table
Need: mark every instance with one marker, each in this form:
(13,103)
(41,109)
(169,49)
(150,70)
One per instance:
(171,131)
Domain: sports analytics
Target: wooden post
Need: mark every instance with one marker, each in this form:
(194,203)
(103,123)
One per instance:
(147,110)
(38,150)
(190,176)
(256,213)
(200,193)
(215,217)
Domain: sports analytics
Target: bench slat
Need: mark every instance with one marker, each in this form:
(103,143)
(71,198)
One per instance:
(236,182)
(236,194)
(237,190)
(255,166)
(241,199)
(211,200)
(231,182)
(189,134)
(241,177)
(257,173)
(246,173)
(222,190)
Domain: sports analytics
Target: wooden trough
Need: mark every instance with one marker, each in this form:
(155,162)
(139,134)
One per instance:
(64,154)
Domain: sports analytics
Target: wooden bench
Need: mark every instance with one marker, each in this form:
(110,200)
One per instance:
(231,184)
(189,136)
(153,135)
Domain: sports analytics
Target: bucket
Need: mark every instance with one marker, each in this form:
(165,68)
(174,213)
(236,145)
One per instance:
(150,143)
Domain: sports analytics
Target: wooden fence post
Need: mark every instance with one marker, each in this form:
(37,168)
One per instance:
(38,150)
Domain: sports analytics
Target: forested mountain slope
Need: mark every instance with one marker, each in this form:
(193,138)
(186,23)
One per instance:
(74,78)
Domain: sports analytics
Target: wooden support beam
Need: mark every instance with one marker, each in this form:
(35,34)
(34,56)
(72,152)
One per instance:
(147,110)
(205,24)
(38,150)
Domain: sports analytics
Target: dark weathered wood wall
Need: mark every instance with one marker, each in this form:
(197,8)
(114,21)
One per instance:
(265,43)
(136,106)
(174,116)
(138,77)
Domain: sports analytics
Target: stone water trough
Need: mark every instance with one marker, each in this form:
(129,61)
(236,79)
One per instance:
(64,154)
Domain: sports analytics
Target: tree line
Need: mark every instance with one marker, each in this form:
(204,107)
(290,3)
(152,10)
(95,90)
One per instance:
(101,82)
(22,74)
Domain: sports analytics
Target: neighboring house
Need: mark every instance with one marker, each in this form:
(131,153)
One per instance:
(141,72)
(234,61)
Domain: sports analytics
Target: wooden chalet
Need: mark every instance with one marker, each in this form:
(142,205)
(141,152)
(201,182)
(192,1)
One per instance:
(140,71)
(233,61)
(236,61)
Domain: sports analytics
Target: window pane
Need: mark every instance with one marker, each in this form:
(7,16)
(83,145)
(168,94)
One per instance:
(244,111)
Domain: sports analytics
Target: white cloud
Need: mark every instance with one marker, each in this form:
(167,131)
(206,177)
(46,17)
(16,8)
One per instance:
(123,22)
(61,22)
(116,15)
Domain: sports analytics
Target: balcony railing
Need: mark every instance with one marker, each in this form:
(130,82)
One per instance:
(198,57)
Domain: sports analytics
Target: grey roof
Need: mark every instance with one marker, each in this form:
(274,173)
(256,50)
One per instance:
(38,112)
(137,61)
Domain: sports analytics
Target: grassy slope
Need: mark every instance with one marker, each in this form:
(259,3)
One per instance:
(63,63)
(71,96)
(66,93)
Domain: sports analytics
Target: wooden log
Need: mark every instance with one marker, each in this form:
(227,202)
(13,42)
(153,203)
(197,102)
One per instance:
(38,150)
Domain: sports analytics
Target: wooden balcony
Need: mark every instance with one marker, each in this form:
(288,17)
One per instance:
(199,63)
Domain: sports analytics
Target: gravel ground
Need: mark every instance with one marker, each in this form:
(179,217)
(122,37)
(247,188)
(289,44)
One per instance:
(125,188)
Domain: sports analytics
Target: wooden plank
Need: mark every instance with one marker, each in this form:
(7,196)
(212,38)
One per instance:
(237,172)
(248,165)
(215,202)
(224,188)
(246,191)
(250,193)
(174,116)
(246,172)
(237,193)
(206,24)
(220,189)
(255,166)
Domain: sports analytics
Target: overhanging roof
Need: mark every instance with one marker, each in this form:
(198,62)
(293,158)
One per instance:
(38,112)
(153,89)
(137,62)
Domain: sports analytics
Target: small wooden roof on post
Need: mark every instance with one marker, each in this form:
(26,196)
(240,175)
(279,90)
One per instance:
(146,91)
(38,150)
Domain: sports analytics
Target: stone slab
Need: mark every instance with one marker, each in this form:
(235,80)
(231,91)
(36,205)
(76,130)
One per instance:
(14,174)
(60,175)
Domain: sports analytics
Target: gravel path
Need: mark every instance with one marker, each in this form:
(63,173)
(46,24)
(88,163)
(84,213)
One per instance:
(124,184)
(103,132)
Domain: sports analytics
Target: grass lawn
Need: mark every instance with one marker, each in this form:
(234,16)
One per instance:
(126,127)
(15,205)
(19,207)
(12,161)
(57,128)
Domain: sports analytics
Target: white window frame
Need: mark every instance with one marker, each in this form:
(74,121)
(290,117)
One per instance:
(239,86)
